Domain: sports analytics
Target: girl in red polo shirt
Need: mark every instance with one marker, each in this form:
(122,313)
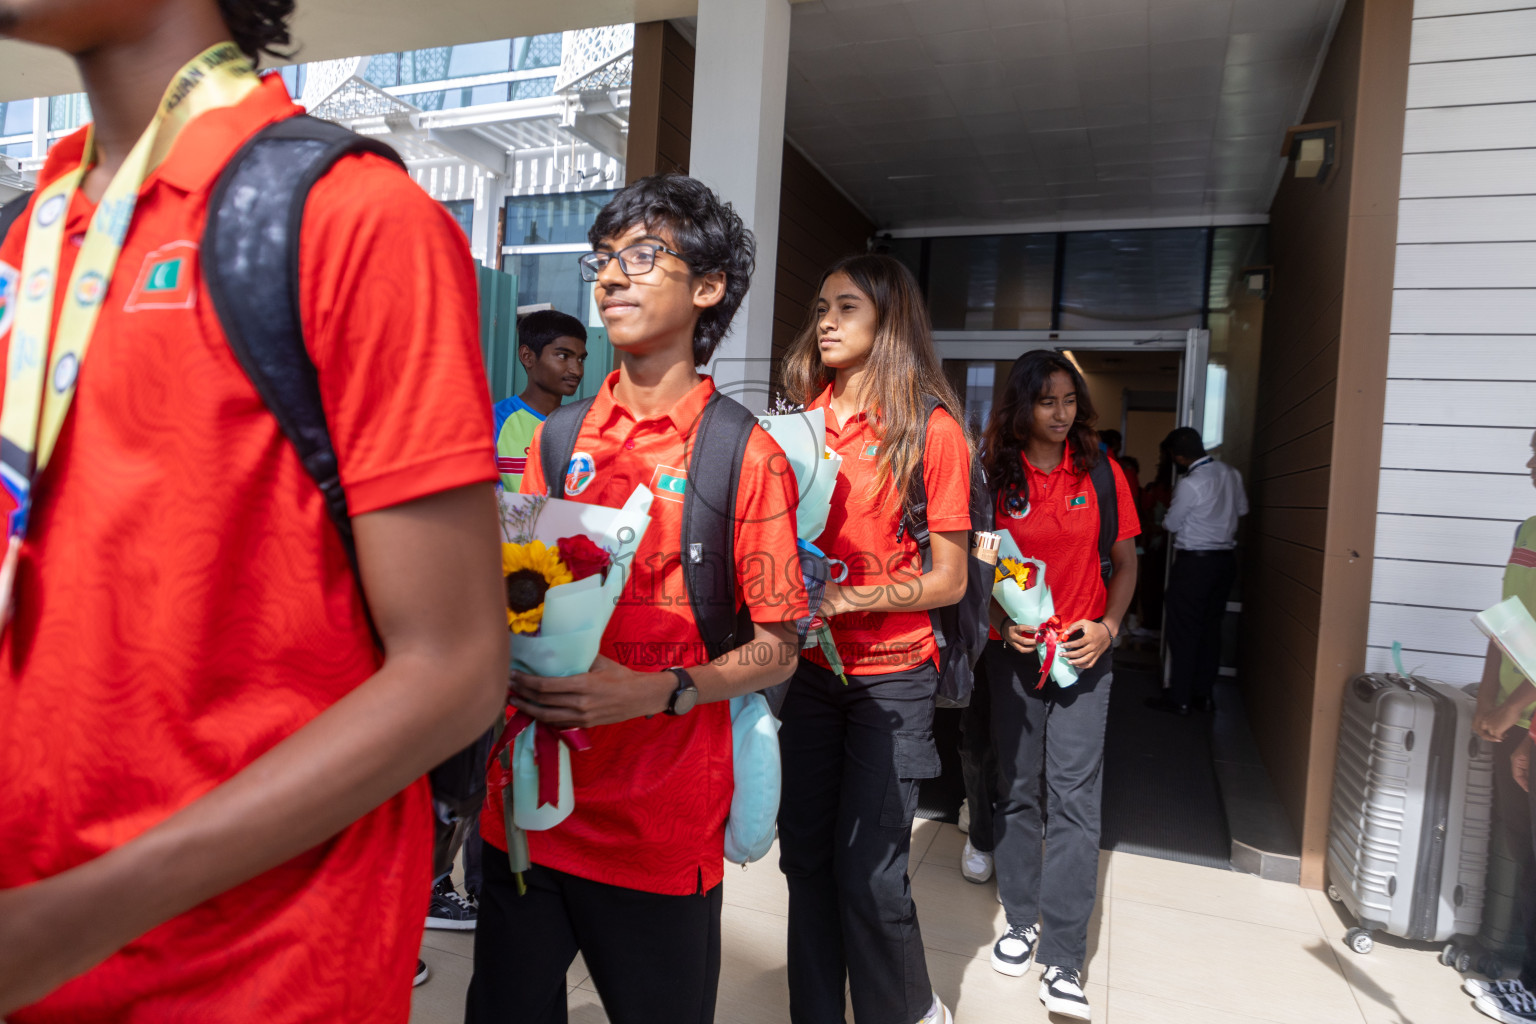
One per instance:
(855,748)
(1039,452)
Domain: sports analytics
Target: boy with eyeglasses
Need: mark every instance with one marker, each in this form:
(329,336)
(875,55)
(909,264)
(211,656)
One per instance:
(632,879)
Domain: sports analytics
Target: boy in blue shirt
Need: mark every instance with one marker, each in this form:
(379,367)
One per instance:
(552,347)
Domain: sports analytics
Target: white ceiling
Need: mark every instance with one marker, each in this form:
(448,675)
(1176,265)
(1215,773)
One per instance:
(967,112)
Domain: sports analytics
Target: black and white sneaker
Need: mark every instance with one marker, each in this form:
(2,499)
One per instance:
(1013,952)
(1475,987)
(450,911)
(1510,1003)
(1061,990)
(422,974)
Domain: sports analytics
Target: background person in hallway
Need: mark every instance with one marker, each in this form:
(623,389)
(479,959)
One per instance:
(1504,708)
(552,346)
(1040,453)
(212,803)
(855,749)
(1207,503)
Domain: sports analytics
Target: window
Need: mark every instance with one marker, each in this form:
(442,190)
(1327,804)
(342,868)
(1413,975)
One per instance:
(551,277)
(17,150)
(991,282)
(294,77)
(68,112)
(16,117)
(1123,280)
(537,52)
(553,219)
(463,211)
(480,59)
(452,99)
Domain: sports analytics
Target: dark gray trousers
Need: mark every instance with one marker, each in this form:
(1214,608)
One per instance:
(978,761)
(853,754)
(1198,587)
(1056,735)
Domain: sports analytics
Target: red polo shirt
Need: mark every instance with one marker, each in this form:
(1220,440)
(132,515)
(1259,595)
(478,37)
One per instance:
(184,604)
(653,794)
(1061,529)
(861,534)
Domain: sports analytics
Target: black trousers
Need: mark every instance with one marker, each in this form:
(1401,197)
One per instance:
(978,761)
(1198,587)
(1047,858)
(652,957)
(853,755)
(1514,812)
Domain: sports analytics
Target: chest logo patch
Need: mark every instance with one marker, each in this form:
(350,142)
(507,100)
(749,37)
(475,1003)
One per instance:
(167,279)
(870,451)
(579,474)
(10,279)
(669,484)
(1077,501)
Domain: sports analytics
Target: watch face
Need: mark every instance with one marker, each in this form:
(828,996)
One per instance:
(684,700)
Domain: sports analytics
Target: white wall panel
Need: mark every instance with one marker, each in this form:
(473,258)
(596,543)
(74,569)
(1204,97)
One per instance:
(1447,630)
(1444,8)
(1460,449)
(1463,403)
(1473,495)
(1497,126)
(1437,584)
(1509,172)
(1460,83)
(1476,36)
(1492,219)
(1469,264)
(1448,668)
(1461,357)
(1463,311)
(1445,539)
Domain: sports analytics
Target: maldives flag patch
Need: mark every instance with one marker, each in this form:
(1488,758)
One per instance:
(1077,500)
(669,484)
(870,451)
(167,279)
(10,282)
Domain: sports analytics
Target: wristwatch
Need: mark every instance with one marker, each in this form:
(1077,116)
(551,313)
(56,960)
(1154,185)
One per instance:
(685,696)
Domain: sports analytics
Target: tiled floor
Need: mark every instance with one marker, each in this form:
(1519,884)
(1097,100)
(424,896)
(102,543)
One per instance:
(1171,943)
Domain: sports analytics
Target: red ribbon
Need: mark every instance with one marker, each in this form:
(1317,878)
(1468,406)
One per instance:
(1049,634)
(546,753)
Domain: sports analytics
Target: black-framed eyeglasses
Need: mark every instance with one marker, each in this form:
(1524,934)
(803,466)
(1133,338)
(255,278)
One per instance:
(634,260)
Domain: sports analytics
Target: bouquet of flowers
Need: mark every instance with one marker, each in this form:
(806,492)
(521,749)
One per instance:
(803,437)
(565,564)
(1020,590)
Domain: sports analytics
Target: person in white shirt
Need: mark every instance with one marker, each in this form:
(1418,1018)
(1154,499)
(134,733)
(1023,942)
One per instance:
(1207,503)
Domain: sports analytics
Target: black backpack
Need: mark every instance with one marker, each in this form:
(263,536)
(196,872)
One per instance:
(960,630)
(250,261)
(708,542)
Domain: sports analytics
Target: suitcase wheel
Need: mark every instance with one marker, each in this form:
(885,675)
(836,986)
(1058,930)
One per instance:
(1334,894)
(1448,955)
(1359,940)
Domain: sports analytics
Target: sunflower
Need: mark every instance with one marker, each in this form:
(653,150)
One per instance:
(530,570)
(1017,570)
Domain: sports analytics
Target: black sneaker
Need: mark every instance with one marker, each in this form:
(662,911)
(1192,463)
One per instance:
(422,974)
(450,911)
(1061,990)
(1013,952)
(1511,1003)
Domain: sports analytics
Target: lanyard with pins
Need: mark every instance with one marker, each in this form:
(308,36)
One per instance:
(36,400)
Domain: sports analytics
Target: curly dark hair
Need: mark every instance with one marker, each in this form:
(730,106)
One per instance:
(1007,434)
(259,26)
(708,232)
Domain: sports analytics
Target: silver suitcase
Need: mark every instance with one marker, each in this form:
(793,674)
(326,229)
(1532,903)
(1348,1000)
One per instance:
(1412,814)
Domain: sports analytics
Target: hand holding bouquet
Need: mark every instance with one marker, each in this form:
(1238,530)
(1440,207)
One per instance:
(1021,592)
(565,564)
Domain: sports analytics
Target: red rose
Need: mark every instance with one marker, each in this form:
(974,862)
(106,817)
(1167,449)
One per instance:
(582,557)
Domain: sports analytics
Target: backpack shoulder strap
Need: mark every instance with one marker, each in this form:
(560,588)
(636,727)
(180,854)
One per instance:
(914,519)
(708,540)
(1103,478)
(250,261)
(11,212)
(557,443)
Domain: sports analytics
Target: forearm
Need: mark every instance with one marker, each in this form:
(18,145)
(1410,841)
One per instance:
(766,660)
(1122,590)
(936,589)
(368,746)
(1488,686)
(1524,694)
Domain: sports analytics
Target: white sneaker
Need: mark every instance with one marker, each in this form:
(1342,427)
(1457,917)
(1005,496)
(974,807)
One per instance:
(975,865)
(1012,953)
(1061,990)
(964,824)
(938,1013)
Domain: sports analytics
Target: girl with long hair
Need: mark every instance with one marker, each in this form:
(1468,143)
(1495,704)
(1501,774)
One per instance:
(855,748)
(1045,472)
